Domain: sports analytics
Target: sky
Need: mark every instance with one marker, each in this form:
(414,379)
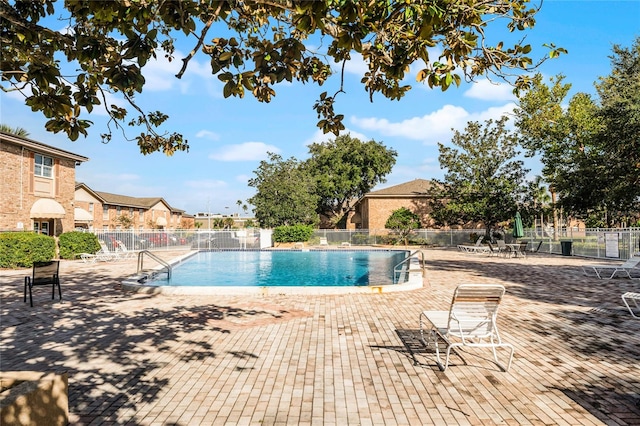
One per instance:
(229,137)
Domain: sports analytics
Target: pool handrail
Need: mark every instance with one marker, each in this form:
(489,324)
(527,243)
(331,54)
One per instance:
(141,254)
(396,272)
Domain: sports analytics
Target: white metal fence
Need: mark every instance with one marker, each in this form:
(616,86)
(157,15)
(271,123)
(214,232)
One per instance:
(619,243)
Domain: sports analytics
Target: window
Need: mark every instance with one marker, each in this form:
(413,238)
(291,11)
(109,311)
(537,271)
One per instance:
(105,212)
(91,208)
(130,211)
(118,210)
(141,215)
(43,166)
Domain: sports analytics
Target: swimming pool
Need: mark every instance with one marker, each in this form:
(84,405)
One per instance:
(279,271)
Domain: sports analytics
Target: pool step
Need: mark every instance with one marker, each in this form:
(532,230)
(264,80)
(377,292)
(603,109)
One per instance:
(150,274)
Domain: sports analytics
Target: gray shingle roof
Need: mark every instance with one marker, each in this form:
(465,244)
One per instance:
(413,188)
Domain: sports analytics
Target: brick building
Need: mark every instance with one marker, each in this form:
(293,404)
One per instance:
(37,186)
(374,208)
(102,210)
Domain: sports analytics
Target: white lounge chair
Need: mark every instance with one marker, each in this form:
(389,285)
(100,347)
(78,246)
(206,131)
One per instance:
(323,241)
(630,298)
(102,255)
(123,252)
(477,248)
(99,256)
(623,269)
(470,321)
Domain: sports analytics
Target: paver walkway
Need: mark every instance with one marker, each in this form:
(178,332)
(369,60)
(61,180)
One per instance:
(331,360)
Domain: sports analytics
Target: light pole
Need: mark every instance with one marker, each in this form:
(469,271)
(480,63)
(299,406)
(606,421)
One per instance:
(208,215)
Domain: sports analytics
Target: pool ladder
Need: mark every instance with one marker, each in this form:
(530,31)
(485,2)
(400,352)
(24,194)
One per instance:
(153,274)
(397,273)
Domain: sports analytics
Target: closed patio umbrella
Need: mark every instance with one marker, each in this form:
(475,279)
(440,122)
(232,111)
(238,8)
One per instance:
(518,230)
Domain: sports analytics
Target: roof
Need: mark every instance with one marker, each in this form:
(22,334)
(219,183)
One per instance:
(127,201)
(40,147)
(413,188)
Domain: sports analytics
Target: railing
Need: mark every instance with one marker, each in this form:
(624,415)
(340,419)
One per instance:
(404,269)
(592,242)
(141,255)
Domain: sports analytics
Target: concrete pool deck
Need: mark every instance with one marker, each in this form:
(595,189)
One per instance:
(352,359)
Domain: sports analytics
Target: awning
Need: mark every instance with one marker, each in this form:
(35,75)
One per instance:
(46,208)
(161,221)
(81,215)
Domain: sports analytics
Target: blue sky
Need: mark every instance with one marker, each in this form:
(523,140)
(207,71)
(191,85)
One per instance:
(229,137)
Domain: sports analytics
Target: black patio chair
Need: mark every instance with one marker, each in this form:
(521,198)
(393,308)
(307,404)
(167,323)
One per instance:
(44,273)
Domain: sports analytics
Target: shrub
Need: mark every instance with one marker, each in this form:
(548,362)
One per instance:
(292,234)
(403,221)
(74,243)
(21,249)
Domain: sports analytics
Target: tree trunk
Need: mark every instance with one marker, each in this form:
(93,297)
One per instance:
(555,214)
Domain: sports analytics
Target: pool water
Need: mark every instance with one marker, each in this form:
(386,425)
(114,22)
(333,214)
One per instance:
(285,268)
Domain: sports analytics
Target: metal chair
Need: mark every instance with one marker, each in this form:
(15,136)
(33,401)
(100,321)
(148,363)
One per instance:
(471,321)
(44,273)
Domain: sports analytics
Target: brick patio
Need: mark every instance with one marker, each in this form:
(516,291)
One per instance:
(352,359)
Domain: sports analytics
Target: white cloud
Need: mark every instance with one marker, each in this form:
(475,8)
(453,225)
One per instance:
(487,90)
(428,128)
(434,127)
(206,134)
(159,73)
(248,151)
(320,137)
(356,65)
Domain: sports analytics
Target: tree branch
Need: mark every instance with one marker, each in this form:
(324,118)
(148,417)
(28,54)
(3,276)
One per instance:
(205,30)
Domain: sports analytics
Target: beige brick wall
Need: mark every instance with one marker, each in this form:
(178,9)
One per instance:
(374,212)
(17,193)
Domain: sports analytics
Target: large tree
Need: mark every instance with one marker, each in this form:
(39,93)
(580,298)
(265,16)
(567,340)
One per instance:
(619,137)
(252,46)
(484,180)
(589,149)
(285,193)
(345,169)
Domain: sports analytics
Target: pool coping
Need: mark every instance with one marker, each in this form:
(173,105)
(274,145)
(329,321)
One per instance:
(135,283)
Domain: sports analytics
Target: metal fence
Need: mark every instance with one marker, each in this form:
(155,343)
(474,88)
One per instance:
(181,239)
(619,243)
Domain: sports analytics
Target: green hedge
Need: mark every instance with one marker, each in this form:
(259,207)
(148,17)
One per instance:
(21,249)
(292,234)
(73,243)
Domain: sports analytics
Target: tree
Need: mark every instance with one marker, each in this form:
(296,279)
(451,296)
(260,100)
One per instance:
(562,136)
(619,138)
(252,47)
(125,221)
(345,169)
(539,197)
(483,181)
(403,221)
(17,131)
(589,152)
(285,193)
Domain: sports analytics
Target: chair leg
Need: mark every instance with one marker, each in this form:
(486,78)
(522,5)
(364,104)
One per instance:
(26,280)
(495,356)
